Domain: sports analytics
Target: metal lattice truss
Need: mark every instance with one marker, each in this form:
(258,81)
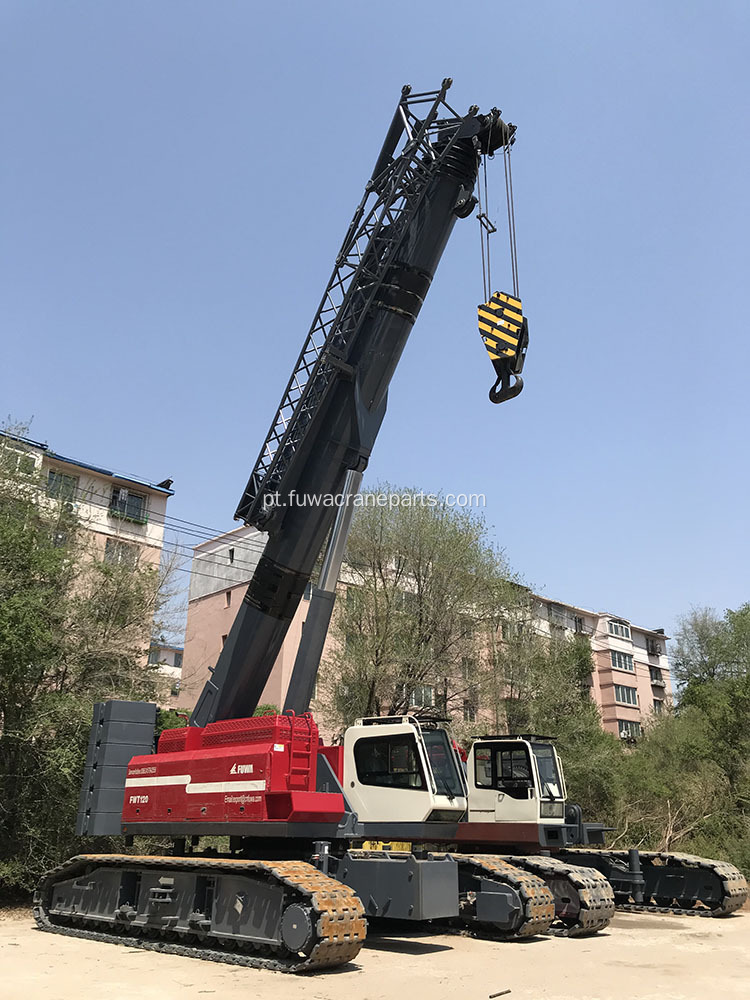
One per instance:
(390,202)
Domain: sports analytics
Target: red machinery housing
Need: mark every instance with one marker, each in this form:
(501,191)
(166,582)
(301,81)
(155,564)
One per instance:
(239,770)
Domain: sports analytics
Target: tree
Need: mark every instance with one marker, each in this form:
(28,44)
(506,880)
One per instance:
(421,580)
(543,685)
(709,648)
(73,629)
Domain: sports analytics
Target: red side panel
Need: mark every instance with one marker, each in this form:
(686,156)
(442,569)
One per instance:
(335,757)
(305,807)
(240,770)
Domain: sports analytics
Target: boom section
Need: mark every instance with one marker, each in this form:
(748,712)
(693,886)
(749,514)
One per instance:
(335,401)
(364,274)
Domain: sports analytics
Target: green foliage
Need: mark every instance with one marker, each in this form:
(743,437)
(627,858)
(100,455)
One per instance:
(421,580)
(73,630)
(709,648)
(170,718)
(266,710)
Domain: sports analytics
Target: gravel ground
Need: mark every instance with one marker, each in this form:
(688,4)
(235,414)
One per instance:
(640,957)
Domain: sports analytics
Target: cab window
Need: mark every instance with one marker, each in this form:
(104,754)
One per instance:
(390,761)
(507,769)
(483,767)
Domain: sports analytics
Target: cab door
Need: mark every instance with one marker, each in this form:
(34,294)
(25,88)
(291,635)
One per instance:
(516,789)
(503,788)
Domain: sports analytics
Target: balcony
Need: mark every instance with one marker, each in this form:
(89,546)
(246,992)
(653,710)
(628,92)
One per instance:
(657,680)
(135,517)
(128,506)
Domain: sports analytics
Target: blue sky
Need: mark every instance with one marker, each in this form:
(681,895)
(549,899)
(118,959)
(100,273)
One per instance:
(178,177)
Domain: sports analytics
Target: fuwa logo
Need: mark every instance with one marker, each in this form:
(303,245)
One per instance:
(241,769)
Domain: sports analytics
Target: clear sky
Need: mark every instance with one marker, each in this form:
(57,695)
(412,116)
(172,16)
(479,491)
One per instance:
(176,181)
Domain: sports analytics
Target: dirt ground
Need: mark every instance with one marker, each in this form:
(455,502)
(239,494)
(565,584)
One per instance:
(640,957)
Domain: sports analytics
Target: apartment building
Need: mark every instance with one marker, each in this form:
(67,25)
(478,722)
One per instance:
(221,570)
(125,516)
(631,679)
(168,658)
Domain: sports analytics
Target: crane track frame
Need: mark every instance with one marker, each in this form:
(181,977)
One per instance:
(594,898)
(337,930)
(656,865)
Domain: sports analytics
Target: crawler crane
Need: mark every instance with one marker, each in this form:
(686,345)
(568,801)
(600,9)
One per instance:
(294,889)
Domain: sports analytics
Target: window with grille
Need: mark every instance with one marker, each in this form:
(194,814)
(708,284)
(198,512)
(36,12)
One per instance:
(118,553)
(128,505)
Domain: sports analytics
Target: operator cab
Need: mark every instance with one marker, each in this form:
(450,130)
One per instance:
(515,779)
(398,769)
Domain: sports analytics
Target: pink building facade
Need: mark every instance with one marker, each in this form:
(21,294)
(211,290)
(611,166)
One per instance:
(630,683)
(220,573)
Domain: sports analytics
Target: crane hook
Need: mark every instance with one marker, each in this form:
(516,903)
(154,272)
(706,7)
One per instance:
(509,389)
(505,332)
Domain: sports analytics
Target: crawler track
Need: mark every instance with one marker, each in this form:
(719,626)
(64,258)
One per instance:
(732,883)
(336,916)
(536,909)
(584,900)
(681,884)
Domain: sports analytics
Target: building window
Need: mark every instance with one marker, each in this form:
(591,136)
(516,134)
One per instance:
(231,556)
(629,730)
(19,460)
(470,711)
(658,706)
(423,696)
(626,695)
(578,625)
(178,660)
(622,661)
(227,598)
(656,676)
(118,553)
(61,486)
(621,629)
(153,655)
(556,613)
(653,648)
(127,505)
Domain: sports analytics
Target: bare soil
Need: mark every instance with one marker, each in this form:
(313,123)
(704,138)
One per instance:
(640,957)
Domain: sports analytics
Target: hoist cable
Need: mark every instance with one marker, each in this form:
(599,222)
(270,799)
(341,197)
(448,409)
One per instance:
(513,217)
(481,244)
(487,208)
(510,220)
